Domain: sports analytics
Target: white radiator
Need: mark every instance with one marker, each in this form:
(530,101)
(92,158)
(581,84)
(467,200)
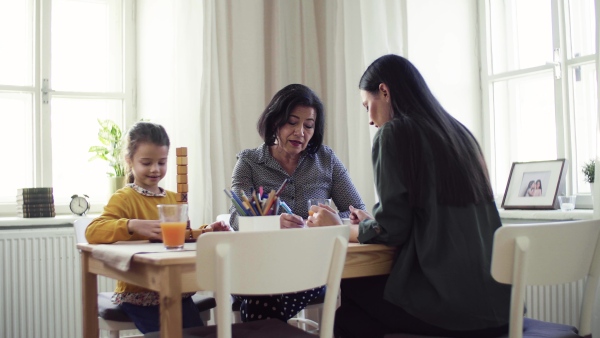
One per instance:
(40,286)
(557,303)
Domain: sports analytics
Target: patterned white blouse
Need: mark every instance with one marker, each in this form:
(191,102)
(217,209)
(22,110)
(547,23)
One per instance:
(319,175)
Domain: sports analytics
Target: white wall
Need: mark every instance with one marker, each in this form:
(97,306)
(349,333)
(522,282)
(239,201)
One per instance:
(443,45)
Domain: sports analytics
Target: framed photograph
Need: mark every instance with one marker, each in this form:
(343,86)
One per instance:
(535,185)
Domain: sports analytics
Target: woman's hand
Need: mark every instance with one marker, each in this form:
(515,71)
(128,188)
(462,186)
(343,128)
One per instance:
(219,226)
(323,215)
(146,228)
(358,215)
(289,221)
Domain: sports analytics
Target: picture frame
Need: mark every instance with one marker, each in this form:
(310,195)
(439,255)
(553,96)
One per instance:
(535,185)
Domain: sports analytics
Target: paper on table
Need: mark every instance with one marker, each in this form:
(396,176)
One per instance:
(119,254)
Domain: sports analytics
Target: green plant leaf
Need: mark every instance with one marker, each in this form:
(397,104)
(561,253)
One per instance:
(111,138)
(589,170)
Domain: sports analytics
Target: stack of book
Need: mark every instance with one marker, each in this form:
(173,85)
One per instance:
(35,202)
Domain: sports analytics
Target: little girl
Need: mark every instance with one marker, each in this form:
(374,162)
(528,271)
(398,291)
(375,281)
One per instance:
(131,214)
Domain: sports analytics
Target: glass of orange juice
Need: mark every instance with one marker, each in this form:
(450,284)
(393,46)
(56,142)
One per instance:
(173,221)
(317,201)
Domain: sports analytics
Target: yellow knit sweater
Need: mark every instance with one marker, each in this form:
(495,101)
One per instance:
(111,226)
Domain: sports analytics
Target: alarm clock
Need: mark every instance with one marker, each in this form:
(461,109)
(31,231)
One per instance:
(79,204)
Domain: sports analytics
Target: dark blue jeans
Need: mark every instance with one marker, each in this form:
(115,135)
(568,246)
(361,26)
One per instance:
(147,318)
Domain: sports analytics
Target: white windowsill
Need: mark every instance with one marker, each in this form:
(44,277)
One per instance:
(513,216)
(510,216)
(19,222)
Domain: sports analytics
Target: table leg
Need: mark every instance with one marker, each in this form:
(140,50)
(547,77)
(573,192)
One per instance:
(89,290)
(170,302)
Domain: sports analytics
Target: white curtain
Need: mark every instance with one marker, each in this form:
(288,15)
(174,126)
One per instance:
(230,57)
(596,192)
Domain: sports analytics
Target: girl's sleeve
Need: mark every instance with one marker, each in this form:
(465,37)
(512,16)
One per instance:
(393,216)
(111,226)
(343,191)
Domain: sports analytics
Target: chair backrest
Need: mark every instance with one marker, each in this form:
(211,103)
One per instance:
(80,225)
(272,262)
(547,254)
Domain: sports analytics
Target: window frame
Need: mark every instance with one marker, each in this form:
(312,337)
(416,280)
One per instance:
(41,126)
(563,87)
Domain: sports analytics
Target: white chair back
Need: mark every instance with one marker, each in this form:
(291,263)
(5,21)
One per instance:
(546,254)
(272,262)
(80,225)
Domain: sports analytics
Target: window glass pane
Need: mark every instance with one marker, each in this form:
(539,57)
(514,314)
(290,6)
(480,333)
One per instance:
(521,34)
(582,24)
(87,45)
(16,41)
(17,149)
(524,123)
(584,106)
(74,130)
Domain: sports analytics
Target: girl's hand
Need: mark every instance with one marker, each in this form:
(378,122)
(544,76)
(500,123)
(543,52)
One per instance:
(219,226)
(146,228)
(358,215)
(289,221)
(323,215)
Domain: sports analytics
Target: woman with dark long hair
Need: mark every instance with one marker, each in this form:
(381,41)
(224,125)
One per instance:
(436,206)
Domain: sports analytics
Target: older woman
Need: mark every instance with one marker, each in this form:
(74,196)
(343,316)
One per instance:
(292,127)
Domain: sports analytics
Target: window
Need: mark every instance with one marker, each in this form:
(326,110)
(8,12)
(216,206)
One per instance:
(539,80)
(64,71)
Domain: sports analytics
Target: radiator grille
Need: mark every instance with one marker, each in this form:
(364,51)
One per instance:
(40,287)
(556,303)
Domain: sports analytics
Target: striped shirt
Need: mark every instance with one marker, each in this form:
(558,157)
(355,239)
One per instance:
(320,175)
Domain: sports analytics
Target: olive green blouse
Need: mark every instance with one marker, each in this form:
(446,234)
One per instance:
(441,273)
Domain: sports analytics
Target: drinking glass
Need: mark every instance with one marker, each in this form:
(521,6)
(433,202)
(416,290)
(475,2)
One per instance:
(317,201)
(567,203)
(173,222)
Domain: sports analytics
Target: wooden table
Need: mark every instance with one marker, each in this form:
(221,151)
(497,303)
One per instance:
(171,275)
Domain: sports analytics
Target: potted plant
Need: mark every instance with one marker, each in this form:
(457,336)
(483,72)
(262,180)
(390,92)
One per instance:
(589,170)
(110,150)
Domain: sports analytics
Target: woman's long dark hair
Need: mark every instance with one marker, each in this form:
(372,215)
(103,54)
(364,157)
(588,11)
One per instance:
(144,132)
(461,175)
(280,108)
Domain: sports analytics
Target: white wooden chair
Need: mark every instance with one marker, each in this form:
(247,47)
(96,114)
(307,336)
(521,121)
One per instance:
(110,316)
(269,262)
(301,319)
(545,254)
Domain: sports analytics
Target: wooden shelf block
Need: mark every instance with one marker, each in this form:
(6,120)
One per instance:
(182,151)
(182,160)
(182,179)
(182,170)
(182,197)
(182,187)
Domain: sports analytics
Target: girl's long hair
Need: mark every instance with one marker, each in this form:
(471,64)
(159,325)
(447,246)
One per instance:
(460,172)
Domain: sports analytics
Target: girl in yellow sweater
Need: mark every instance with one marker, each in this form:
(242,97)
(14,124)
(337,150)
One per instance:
(131,214)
